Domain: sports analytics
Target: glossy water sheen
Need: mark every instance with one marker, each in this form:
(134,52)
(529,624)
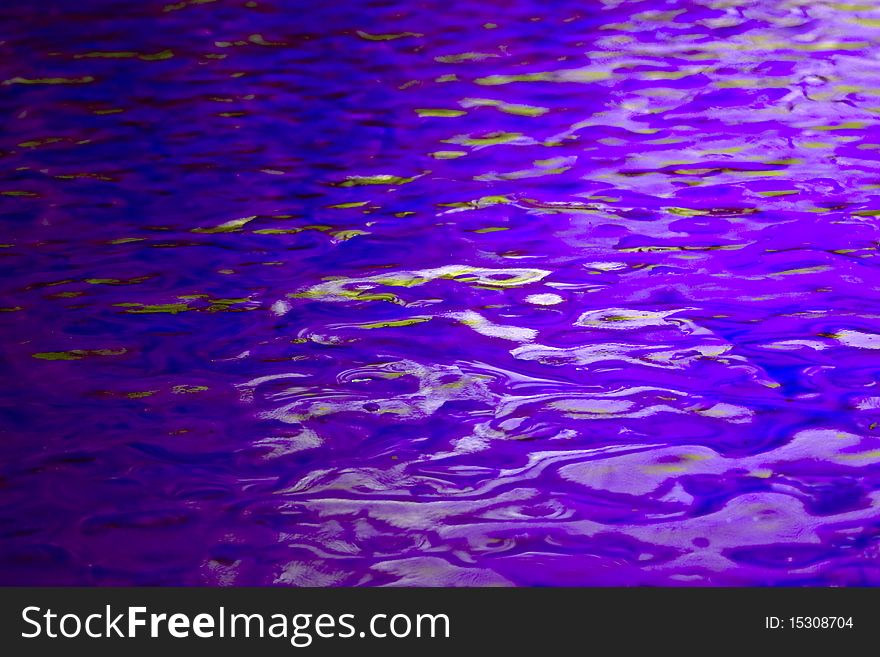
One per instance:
(440,293)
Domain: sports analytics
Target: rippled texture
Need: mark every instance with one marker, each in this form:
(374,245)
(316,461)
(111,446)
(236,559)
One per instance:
(423,293)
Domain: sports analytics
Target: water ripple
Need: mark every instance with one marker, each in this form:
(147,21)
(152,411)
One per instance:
(410,294)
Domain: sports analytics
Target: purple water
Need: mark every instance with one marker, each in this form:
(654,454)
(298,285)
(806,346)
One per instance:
(432,293)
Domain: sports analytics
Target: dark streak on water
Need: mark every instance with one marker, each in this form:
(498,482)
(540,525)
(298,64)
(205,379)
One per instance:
(369,293)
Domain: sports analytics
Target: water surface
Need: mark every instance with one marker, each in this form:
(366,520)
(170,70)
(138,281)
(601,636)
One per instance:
(431,293)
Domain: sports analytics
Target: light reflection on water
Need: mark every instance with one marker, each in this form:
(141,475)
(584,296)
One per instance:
(392,293)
